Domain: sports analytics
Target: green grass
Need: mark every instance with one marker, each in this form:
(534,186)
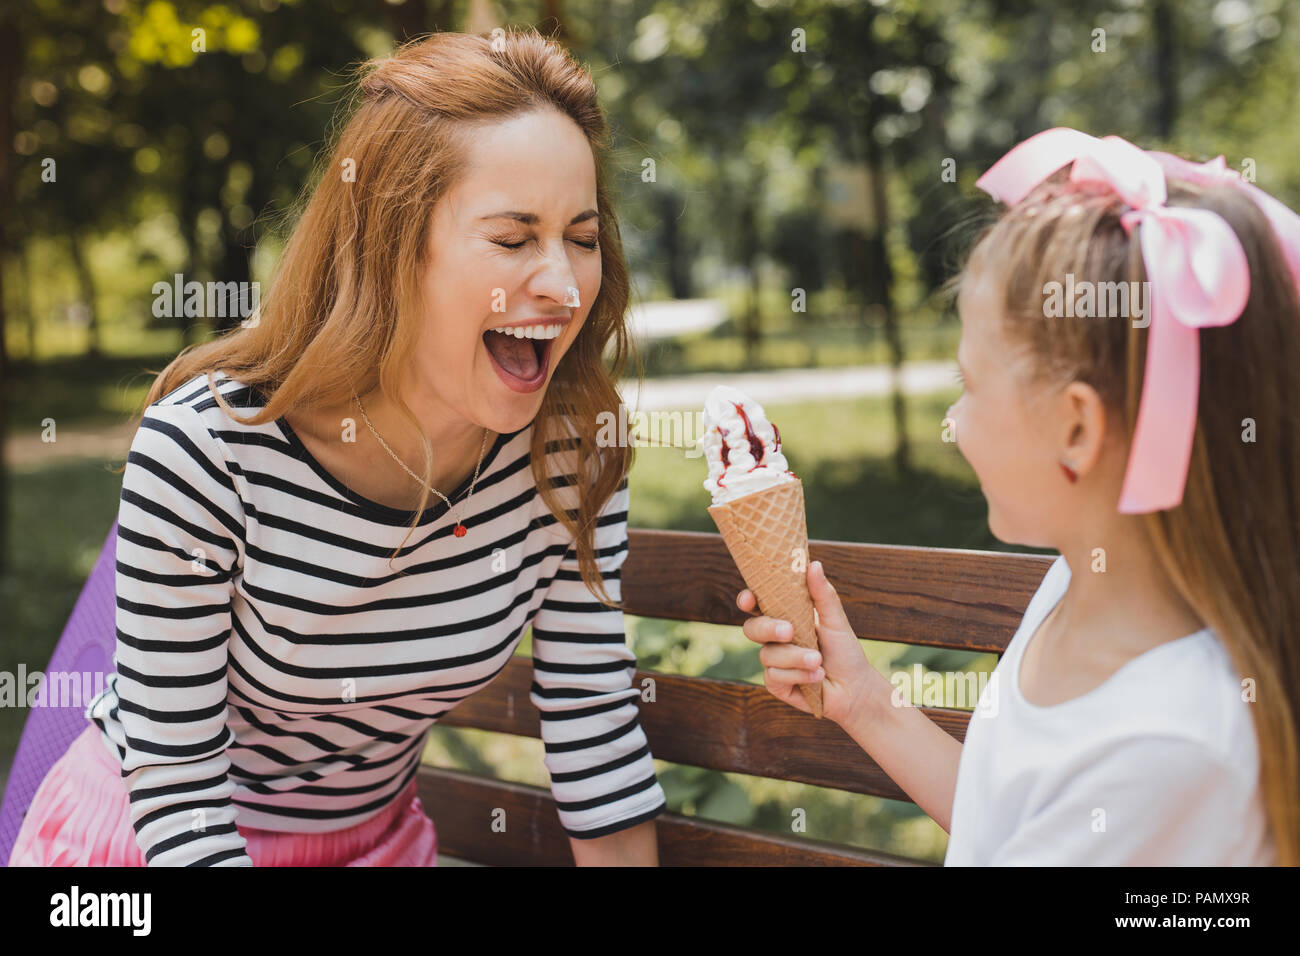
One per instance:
(61,514)
(796,342)
(79,391)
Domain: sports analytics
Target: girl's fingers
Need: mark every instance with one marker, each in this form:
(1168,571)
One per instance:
(830,611)
(756,630)
(785,664)
(784,675)
(787,692)
(765,630)
(789,656)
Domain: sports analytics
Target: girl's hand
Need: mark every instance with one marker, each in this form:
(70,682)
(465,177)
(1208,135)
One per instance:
(846,675)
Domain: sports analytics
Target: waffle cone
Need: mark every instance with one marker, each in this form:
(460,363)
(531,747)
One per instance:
(767,536)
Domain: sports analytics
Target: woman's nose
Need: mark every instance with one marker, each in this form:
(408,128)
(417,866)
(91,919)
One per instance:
(556,280)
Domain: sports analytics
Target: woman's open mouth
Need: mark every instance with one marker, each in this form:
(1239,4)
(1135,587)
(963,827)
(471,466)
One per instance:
(522,363)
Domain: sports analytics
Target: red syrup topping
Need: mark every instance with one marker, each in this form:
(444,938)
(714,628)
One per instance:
(755,443)
(726,455)
(776,431)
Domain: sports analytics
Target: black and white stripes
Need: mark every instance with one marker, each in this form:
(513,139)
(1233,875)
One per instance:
(272,667)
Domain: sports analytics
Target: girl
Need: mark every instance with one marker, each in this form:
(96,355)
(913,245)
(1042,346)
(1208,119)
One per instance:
(1145,710)
(438,324)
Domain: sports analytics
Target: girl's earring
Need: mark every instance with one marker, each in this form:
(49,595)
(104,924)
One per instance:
(1069,473)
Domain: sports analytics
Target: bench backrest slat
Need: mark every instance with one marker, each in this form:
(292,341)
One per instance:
(466,806)
(722,725)
(965,600)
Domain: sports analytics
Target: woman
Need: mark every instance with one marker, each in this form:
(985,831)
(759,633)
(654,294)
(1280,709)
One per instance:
(294,608)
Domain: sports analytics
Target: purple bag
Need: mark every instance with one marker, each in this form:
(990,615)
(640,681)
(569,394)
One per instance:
(87,646)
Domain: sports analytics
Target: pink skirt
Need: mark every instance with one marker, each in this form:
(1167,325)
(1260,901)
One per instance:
(81,816)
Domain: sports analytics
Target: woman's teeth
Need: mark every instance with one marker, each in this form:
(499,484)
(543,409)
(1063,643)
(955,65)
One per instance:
(532,331)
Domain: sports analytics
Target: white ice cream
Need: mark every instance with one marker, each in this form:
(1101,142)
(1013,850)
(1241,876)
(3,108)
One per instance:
(725,428)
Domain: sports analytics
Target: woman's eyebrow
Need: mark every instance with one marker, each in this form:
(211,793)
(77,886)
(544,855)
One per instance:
(530,218)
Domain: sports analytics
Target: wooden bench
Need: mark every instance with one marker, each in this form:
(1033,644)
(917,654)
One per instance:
(965,600)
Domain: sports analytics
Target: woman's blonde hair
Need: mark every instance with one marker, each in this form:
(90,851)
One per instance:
(1232,547)
(343,311)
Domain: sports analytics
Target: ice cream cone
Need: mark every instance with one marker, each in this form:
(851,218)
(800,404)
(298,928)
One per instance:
(767,535)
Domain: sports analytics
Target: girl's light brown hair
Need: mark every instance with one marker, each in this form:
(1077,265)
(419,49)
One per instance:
(1232,547)
(343,311)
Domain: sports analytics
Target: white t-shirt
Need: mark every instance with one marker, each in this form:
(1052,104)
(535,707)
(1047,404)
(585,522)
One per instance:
(1158,766)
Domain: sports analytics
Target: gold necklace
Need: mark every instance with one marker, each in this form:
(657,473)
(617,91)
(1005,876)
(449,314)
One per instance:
(459,529)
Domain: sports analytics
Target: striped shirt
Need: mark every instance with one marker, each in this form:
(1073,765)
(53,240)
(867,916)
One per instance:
(271,666)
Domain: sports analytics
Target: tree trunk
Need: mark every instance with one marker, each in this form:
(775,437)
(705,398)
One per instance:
(879,251)
(679,267)
(86,283)
(4,423)
(751,321)
(4,431)
(411,19)
(234,268)
(190,205)
(555,11)
(4,318)
(10,55)
(28,307)
(1163,30)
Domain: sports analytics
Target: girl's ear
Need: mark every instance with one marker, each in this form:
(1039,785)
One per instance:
(1083,427)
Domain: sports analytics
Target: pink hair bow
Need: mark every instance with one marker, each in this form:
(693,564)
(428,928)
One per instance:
(1214,172)
(1198,277)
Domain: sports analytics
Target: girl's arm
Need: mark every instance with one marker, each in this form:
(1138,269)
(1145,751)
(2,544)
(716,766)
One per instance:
(914,751)
(917,754)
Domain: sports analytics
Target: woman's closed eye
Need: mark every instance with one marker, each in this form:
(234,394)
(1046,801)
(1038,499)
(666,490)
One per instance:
(586,244)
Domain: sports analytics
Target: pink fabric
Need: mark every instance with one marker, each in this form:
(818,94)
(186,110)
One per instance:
(80,816)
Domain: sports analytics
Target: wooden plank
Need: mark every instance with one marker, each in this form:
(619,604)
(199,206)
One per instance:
(464,805)
(938,597)
(748,730)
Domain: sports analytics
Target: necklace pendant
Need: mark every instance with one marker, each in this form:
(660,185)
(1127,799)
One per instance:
(459,530)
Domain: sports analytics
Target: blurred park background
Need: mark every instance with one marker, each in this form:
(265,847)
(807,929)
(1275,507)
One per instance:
(794,180)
